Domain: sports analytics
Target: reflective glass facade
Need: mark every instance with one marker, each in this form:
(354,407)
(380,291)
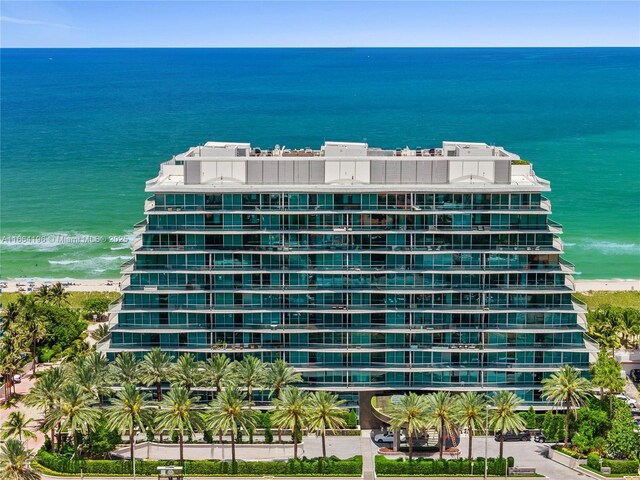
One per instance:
(384,289)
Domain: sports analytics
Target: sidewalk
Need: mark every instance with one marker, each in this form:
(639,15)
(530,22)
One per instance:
(368,467)
(22,389)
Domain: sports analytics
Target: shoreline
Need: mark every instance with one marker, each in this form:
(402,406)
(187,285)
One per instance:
(113,285)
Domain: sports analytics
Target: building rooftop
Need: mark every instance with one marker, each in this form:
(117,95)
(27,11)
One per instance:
(232,166)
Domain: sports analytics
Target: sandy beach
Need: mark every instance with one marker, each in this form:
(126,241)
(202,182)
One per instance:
(105,285)
(26,286)
(613,285)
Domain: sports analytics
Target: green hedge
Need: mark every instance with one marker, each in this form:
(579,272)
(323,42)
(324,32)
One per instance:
(317,466)
(430,466)
(617,466)
(621,466)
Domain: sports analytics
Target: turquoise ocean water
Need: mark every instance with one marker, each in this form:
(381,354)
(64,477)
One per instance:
(81,131)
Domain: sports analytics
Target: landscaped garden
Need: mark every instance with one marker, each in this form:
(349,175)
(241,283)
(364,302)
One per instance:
(91,407)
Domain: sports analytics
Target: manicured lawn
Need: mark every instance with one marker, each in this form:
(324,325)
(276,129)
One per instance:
(617,299)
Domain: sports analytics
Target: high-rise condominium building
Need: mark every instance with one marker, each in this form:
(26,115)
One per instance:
(366,269)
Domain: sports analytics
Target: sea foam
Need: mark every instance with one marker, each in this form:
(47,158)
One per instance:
(608,247)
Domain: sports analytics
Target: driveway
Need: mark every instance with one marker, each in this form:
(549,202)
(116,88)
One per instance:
(526,454)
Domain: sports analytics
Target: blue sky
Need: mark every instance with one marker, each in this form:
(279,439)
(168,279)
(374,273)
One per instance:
(316,24)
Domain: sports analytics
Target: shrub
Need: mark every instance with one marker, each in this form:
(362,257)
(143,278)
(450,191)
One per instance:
(330,466)
(150,435)
(264,420)
(553,426)
(351,419)
(428,466)
(530,418)
(593,461)
(207,436)
(581,442)
(175,436)
(621,466)
(268,436)
(102,440)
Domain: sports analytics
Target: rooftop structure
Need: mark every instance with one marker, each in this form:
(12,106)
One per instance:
(366,269)
(352,165)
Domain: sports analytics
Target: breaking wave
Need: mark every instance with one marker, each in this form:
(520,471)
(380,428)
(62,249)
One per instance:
(607,247)
(98,264)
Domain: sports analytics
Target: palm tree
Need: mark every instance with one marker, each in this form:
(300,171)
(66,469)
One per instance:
(10,362)
(604,325)
(130,409)
(14,462)
(88,379)
(34,328)
(607,375)
(250,373)
(17,425)
(325,413)
(230,412)
(410,412)
(292,412)
(185,372)
(279,375)
(75,412)
(178,413)
(441,408)
(505,417)
(154,368)
(45,394)
(100,332)
(58,294)
(44,294)
(567,387)
(125,368)
(217,370)
(98,363)
(470,414)
(10,314)
(629,326)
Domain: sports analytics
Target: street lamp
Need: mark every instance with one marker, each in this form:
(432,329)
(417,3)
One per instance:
(133,454)
(486,441)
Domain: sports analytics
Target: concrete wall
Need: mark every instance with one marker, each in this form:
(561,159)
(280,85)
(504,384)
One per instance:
(563,459)
(171,451)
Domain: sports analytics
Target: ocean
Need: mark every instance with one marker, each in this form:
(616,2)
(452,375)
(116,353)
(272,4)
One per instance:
(83,129)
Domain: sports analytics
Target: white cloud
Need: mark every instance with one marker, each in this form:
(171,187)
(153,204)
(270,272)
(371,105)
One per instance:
(22,21)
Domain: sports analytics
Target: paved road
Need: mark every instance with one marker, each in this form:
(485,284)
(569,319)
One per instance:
(526,454)
(22,389)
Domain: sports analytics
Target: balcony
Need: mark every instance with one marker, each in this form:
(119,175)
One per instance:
(345,347)
(127,267)
(140,227)
(351,309)
(149,204)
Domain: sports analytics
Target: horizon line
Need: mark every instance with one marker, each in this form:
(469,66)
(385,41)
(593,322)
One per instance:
(320,47)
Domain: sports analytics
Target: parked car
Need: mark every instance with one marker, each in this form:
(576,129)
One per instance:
(540,437)
(388,437)
(628,400)
(513,436)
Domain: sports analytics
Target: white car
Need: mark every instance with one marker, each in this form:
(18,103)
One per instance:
(388,437)
(629,401)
